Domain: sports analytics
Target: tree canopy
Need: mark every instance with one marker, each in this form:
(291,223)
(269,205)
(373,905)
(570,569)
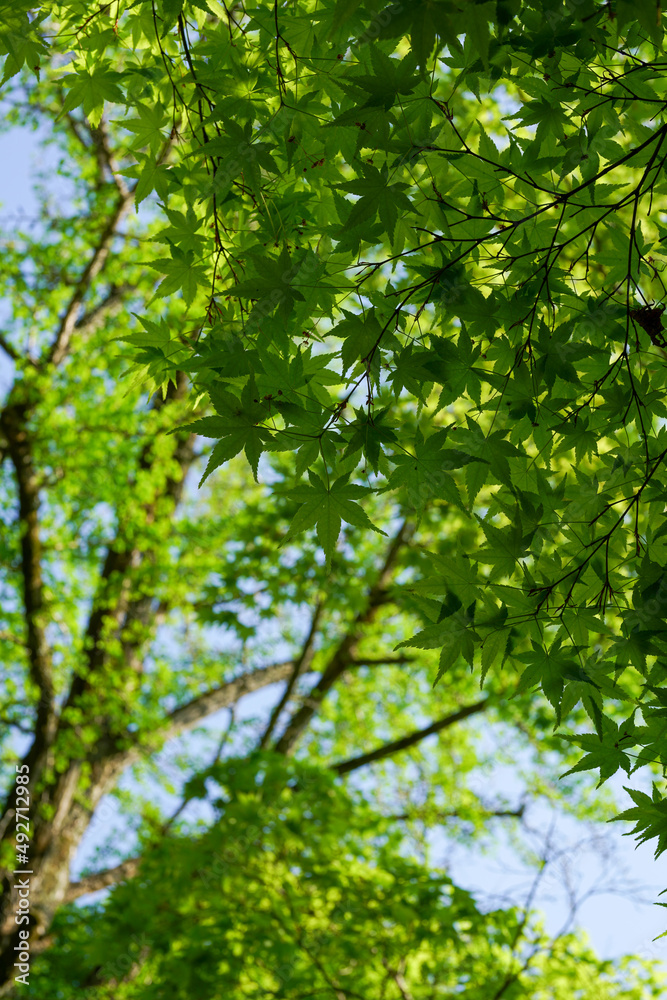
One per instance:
(401,267)
(283,908)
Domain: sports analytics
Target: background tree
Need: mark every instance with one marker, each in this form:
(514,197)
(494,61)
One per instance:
(137,606)
(298,889)
(453,331)
(411,301)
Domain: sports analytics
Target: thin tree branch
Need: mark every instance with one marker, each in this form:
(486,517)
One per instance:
(106,159)
(74,125)
(440,816)
(92,320)
(399,979)
(343,657)
(389,749)
(98,143)
(189,715)
(128,869)
(301,664)
(227,694)
(218,753)
(7,636)
(101,880)
(100,252)
(8,349)
(12,723)
(108,766)
(380,661)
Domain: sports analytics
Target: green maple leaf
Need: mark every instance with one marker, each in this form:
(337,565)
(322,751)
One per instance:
(361,334)
(372,434)
(150,176)
(650,815)
(91,89)
(454,636)
(424,475)
(343,10)
(390,79)
(422,20)
(326,508)
(550,667)
(506,546)
(492,448)
(549,117)
(181,273)
(455,573)
(236,154)
(271,284)
(149,127)
(238,425)
(286,375)
(604,753)
(23,45)
(411,371)
(377,197)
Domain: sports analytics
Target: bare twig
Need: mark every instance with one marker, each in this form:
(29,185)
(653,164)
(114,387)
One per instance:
(441,816)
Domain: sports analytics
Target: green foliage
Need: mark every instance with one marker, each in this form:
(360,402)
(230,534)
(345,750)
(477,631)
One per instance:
(423,254)
(298,888)
(411,257)
(649,812)
(326,507)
